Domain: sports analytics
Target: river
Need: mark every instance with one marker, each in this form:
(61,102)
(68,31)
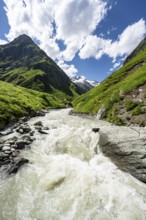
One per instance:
(68,178)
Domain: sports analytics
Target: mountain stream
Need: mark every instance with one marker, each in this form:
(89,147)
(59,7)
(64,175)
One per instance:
(68,178)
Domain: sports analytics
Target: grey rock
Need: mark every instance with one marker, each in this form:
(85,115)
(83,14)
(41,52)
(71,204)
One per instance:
(23,129)
(95,130)
(17,164)
(45,128)
(38,113)
(27,137)
(101,113)
(38,127)
(8,152)
(6,132)
(126,148)
(42,132)
(39,123)
(21,144)
(6,148)
(9,142)
(31,133)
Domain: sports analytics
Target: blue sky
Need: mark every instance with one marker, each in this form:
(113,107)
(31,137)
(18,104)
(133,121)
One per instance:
(89,38)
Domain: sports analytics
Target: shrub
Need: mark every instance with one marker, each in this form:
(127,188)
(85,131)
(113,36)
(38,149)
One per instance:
(130,104)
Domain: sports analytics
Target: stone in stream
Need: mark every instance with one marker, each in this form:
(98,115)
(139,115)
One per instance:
(27,138)
(23,129)
(38,123)
(6,148)
(19,162)
(95,130)
(38,127)
(45,128)
(6,132)
(38,113)
(21,144)
(8,152)
(31,133)
(42,132)
(10,141)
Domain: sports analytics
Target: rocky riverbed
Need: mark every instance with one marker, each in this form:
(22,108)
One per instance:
(16,138)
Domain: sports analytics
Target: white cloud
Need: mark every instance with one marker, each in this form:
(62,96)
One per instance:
(70,70)
(3,42)
(73,22)
(52,20)
(117,64)
(96,46)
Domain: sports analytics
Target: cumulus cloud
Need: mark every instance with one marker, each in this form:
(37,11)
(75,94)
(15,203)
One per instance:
(73,22)
(70,70)
(97,46)
(48,21)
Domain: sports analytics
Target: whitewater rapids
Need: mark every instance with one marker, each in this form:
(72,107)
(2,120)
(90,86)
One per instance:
(68,178)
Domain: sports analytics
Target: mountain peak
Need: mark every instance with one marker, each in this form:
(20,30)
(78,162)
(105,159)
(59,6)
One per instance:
(23,39)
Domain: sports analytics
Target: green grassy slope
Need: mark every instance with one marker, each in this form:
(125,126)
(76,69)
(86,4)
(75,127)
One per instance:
(16,102)
(114,91)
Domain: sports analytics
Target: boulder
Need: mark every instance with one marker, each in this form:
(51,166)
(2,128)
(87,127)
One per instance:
(127,149)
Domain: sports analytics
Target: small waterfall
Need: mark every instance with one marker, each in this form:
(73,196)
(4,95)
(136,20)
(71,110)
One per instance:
(69,178)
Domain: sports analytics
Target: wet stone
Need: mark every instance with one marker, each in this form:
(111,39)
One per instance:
(39,123)
(9,142)
(6,148)
(45,128)
(95,130)
(31,133)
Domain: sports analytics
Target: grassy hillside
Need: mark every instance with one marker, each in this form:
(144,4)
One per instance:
(16,102)
(127,86)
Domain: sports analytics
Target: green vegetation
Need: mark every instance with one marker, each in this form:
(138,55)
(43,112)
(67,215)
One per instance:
(113,90)
(16,101)
(130,104)
(23,63)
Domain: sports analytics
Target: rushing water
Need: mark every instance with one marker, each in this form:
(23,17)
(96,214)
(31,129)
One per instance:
(69,179)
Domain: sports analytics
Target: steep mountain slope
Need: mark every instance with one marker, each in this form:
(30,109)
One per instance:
(23,63)
(122,94)
(16,101)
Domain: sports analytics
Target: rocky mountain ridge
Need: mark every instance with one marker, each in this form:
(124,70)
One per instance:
(83,84)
